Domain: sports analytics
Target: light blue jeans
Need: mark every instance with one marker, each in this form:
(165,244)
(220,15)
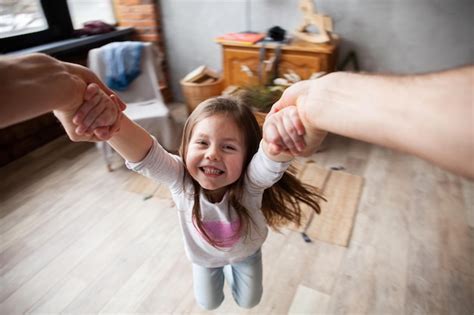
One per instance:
(244,278)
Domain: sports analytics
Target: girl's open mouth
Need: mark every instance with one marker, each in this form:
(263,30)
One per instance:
(212,171)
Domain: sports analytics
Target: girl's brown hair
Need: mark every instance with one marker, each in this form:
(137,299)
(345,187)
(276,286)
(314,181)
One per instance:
(281,202)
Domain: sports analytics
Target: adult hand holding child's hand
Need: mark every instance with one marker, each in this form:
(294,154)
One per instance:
(284,132)
(300,98)
(97,118)
(79,86)
(100,114)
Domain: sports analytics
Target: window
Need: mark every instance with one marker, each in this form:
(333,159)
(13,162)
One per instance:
(21,17)
(55,12)
(28,23)
(81,11)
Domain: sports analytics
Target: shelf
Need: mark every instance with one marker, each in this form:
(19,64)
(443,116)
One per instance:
(72,45)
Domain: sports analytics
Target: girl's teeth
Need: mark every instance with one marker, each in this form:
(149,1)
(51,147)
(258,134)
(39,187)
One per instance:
(212,171)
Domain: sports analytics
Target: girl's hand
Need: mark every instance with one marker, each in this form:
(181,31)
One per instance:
(99,115)
(284,132)
(305,96)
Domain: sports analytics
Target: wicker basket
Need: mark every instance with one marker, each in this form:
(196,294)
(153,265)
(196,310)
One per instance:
(195,93)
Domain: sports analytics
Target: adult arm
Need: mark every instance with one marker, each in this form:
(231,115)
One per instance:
(429,115)
(35,84)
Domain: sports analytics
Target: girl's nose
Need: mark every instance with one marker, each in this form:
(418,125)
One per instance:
(212,153)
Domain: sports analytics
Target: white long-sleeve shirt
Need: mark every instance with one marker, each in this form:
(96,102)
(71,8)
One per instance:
(219,219)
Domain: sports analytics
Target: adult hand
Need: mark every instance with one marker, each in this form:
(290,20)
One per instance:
(303,94)
(283,131)
(108,115)
(98,110)
(291,95)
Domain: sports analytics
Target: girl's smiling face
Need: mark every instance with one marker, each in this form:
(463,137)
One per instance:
(216,152)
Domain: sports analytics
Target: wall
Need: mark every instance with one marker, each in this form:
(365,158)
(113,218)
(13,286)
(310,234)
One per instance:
(144,16)
(400,36)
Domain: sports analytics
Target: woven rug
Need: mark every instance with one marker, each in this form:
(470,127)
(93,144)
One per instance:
(342,191)
(334,225)
(144,186)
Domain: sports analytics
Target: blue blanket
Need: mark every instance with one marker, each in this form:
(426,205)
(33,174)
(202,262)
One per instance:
(123,60)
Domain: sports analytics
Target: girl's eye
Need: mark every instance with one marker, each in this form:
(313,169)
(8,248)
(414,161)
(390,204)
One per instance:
(229,147)
(201,142)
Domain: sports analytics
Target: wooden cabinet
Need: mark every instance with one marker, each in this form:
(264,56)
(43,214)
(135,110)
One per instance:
(301,57)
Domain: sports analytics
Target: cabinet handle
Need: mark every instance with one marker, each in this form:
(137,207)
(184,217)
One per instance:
(245,69)
(269,63)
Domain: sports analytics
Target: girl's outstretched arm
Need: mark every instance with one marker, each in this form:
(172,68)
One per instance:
(132,142)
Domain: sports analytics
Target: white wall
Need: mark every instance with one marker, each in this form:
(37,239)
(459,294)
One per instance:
(400,36)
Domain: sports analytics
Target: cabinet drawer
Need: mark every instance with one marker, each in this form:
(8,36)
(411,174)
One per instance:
(304,64)
(234,59)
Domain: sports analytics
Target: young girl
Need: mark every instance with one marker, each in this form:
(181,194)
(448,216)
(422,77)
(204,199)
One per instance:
(227,187)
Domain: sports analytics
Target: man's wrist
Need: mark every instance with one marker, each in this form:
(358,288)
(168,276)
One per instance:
(320,101)
(63,115)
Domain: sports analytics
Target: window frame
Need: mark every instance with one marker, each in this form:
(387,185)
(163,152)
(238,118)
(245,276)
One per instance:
(59,27)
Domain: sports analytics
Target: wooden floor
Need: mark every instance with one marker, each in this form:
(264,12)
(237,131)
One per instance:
(74,241)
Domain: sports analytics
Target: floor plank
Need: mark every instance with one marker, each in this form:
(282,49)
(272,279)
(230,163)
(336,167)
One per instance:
(309,301)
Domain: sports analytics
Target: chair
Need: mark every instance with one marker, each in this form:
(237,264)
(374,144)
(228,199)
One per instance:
(144,101)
